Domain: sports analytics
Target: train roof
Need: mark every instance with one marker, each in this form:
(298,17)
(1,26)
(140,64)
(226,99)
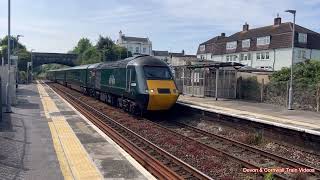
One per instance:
(142,60)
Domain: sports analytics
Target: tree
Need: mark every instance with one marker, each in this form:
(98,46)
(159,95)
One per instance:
(91,55)
(104,43)
(82,46)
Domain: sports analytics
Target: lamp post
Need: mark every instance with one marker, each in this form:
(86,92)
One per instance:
(290,99)
(8,94)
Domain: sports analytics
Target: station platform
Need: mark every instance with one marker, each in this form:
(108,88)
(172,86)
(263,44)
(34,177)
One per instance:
(46,138)
(305,121)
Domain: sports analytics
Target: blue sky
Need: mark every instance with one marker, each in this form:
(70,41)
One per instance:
(57,25)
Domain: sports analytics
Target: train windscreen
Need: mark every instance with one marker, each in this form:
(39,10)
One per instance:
(157,72)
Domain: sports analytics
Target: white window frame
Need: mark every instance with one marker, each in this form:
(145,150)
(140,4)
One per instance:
(261,41)
(144,50)
(263,56)
(246,43)
(231,45)
(302,38)
(258,56)
(137,49)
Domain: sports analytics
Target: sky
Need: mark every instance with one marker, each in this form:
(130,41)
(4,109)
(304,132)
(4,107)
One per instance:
(173,25)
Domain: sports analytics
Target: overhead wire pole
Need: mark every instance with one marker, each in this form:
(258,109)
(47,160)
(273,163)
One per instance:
(290,99)
(8,94)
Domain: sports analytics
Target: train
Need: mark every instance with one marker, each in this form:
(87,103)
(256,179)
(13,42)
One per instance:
(137,84)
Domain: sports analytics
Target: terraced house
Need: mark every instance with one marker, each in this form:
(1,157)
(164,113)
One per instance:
(266,47)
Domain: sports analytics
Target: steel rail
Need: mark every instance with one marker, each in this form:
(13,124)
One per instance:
(156,167)
(267,154)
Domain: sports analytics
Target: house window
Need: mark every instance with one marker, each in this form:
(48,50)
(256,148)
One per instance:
(137,49)
(144,50)
(231,45)
(211,56)
(228,58)
(302,37)
(245,57)
(263,40)
(246,43)
(302,54)
(202,48)
(263,56)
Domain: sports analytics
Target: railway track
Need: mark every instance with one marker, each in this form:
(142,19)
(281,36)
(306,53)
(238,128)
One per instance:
(160,163)
(165,166)
(250,156)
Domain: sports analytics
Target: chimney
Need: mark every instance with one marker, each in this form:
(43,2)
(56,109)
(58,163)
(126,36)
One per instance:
(120,34)
(245,27)
(277,20)
(182,52)
(223,34)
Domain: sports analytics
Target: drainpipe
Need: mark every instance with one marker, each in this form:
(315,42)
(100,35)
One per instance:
(274,58)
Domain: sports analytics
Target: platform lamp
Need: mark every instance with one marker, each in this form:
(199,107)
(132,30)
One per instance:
(290,99)
(8,85)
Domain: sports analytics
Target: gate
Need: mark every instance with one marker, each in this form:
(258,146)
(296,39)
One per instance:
(193,81)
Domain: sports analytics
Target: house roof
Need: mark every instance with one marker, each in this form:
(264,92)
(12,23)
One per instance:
(139,39)
(280,37)
(160,53)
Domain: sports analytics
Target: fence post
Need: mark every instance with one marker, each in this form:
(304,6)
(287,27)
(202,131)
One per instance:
(217,79)
(287,94)
(318,97)
(261,90)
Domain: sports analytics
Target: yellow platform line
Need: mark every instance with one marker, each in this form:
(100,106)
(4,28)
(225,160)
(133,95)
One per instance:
(73,158)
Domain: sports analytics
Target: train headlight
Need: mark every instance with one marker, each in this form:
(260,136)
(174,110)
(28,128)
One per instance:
(149,91)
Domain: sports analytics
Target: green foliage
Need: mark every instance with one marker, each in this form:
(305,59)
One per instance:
(268,176)
(104,50)
(41,71)
(104,43)
(307,73)
(90,56)
(82,46)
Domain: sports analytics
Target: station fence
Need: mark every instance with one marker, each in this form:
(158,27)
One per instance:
(206,82)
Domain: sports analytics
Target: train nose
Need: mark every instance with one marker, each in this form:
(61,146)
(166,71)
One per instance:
(163,94)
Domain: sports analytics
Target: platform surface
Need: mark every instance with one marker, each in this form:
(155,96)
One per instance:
(46,138)
(266,113)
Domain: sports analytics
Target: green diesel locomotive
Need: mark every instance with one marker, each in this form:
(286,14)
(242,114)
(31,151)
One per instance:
(136,84)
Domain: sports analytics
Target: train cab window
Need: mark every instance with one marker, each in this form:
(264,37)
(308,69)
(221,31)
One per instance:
(133,75)
(153,72)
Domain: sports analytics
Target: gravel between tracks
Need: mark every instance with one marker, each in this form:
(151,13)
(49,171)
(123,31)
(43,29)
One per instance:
(204,159)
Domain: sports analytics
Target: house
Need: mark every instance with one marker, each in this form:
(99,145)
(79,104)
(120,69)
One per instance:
(136,45)
(180,59)
(267,47)
(163,55)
